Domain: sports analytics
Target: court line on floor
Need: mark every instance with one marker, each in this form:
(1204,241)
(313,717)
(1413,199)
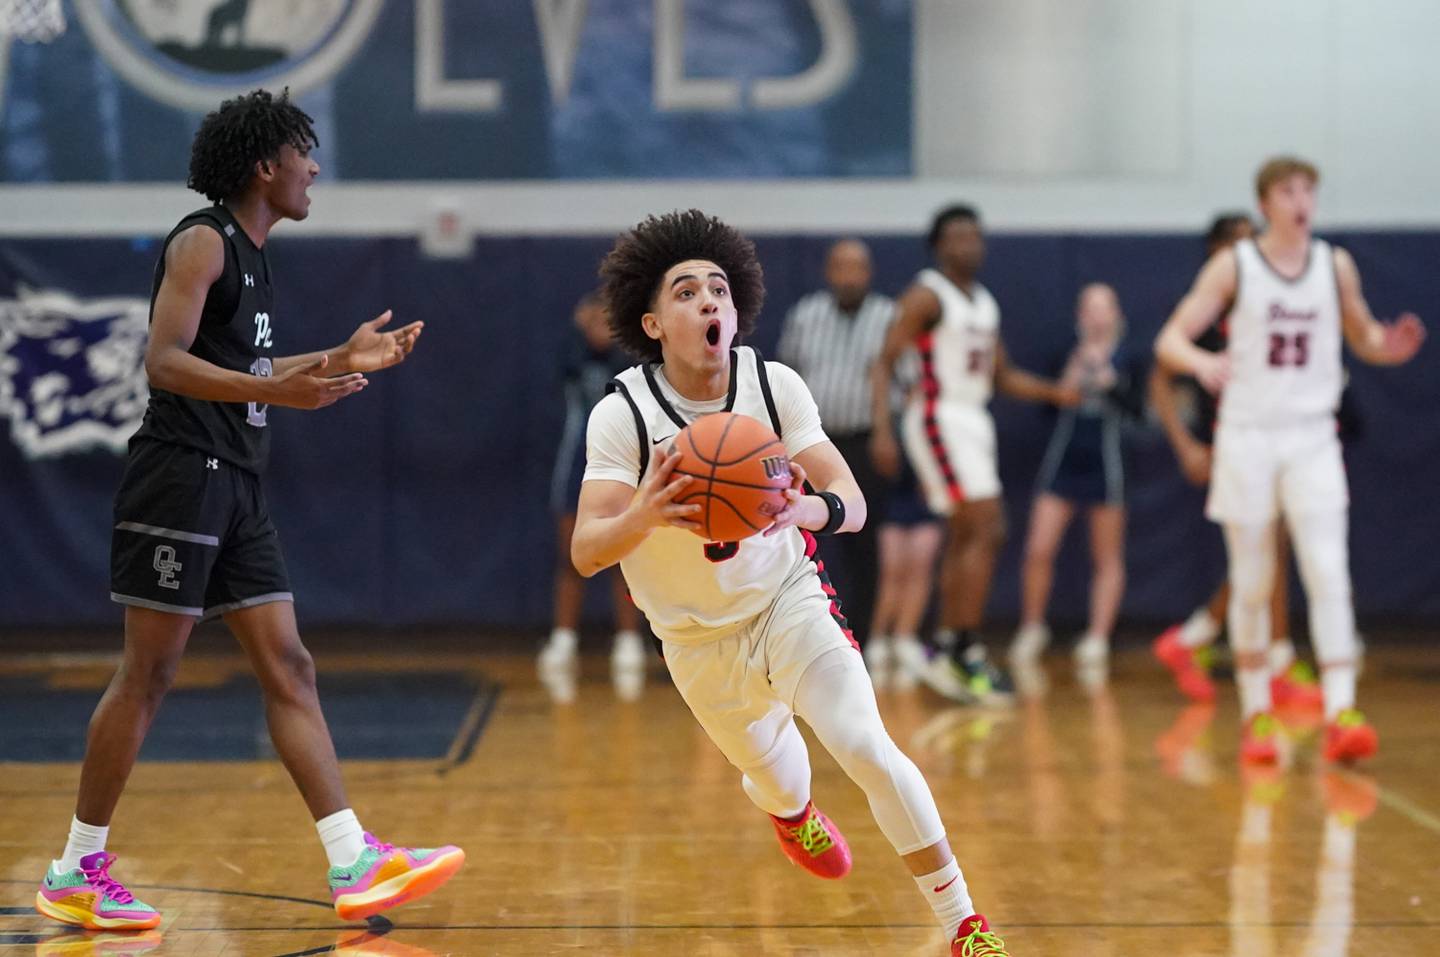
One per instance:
(887,925)
(1410,809)
(471,728)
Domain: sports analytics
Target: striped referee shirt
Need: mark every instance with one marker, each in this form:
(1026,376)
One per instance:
(833,352)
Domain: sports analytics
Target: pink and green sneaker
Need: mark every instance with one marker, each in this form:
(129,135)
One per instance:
(811,841)
(89,897)
(385,876)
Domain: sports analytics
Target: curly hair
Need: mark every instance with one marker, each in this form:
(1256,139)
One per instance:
(632,271)
(245,131)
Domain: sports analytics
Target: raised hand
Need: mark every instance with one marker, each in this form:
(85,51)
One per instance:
(303,388)
(1403,338)
(369,349)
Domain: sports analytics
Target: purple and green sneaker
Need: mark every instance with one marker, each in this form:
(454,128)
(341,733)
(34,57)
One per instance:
(384,876)
(89,897)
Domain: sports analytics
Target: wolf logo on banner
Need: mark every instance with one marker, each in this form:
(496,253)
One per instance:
(72,371)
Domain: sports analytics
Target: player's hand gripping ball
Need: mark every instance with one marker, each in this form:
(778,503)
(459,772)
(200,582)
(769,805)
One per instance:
(739,473)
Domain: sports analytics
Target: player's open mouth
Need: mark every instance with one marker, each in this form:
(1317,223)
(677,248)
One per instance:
(712,334)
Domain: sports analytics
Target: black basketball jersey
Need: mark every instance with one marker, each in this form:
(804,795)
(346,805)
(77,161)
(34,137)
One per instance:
(235,333)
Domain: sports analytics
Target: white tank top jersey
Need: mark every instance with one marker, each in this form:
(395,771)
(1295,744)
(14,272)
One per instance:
(957,355)
(692,592)
(1284,341)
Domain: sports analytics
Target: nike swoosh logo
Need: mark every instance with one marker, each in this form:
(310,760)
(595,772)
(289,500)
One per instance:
(946,884)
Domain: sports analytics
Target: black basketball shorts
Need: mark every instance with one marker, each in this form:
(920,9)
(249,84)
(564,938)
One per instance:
(192,535)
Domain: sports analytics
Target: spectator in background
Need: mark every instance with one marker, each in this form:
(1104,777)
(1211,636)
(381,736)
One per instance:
(591,361)
(910,541)
(1083,469)
(831,338)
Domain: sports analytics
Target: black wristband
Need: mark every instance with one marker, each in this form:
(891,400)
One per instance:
(835,505)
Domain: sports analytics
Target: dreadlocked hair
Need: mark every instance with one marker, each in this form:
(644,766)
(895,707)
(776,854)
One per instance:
(246,130)
(632,271)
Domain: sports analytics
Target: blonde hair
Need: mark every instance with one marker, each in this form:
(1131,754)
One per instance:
(1280,168)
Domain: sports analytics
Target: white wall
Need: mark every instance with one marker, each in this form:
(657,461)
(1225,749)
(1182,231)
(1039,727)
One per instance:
(1049,114)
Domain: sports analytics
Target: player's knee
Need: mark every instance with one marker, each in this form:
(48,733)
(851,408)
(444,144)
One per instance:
(992,531)
(1110,567)
(289,673)
(1040,555)
(150,676)
(866,758)
(1252,591)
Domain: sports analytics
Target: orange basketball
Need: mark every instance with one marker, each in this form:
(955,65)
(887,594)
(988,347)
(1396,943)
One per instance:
(739,473)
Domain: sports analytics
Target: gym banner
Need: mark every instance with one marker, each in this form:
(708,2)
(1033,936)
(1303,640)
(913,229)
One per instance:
(481,89)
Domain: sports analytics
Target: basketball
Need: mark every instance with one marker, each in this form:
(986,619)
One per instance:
(740,473)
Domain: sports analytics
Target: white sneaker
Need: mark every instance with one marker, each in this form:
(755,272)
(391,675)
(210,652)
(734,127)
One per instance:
(1092,650)
(879,654)
(559,683)
(1092,661)
(910,660)
(1029,642)
(628,652)
(558,651)
(629,683)
(1030,678)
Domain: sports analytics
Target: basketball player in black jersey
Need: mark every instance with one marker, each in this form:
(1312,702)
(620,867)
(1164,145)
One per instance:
(193,537)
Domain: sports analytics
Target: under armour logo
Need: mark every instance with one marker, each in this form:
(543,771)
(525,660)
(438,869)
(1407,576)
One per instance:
(249,279)
(167,566)
(212,464)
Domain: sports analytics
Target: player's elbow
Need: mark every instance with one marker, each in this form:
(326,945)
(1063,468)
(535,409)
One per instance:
(587,565)
(159,369)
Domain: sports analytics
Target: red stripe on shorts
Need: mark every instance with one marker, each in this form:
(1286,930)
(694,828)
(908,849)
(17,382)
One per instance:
(930,387)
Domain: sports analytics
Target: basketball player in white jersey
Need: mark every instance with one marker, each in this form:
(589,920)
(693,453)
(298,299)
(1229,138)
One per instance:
(749,630)
(949,436)
(1289,299)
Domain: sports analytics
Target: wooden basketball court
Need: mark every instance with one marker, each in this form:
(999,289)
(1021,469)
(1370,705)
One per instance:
(1113,823)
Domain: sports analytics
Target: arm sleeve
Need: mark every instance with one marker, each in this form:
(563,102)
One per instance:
(799,416)
(612,445)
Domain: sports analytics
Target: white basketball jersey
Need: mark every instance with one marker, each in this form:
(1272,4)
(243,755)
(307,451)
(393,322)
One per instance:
(691,591)
(957,355)
(1283,339)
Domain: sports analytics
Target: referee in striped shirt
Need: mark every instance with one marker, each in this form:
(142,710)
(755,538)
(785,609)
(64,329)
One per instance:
(831,338)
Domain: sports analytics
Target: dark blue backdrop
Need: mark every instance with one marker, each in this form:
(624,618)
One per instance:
(424,499)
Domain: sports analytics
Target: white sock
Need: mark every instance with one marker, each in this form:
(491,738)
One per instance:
(1338,683)
(1282,655)
(1254,687)
(84,839)
(1199,629)
(342,836)
(945,890)
(565,637)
